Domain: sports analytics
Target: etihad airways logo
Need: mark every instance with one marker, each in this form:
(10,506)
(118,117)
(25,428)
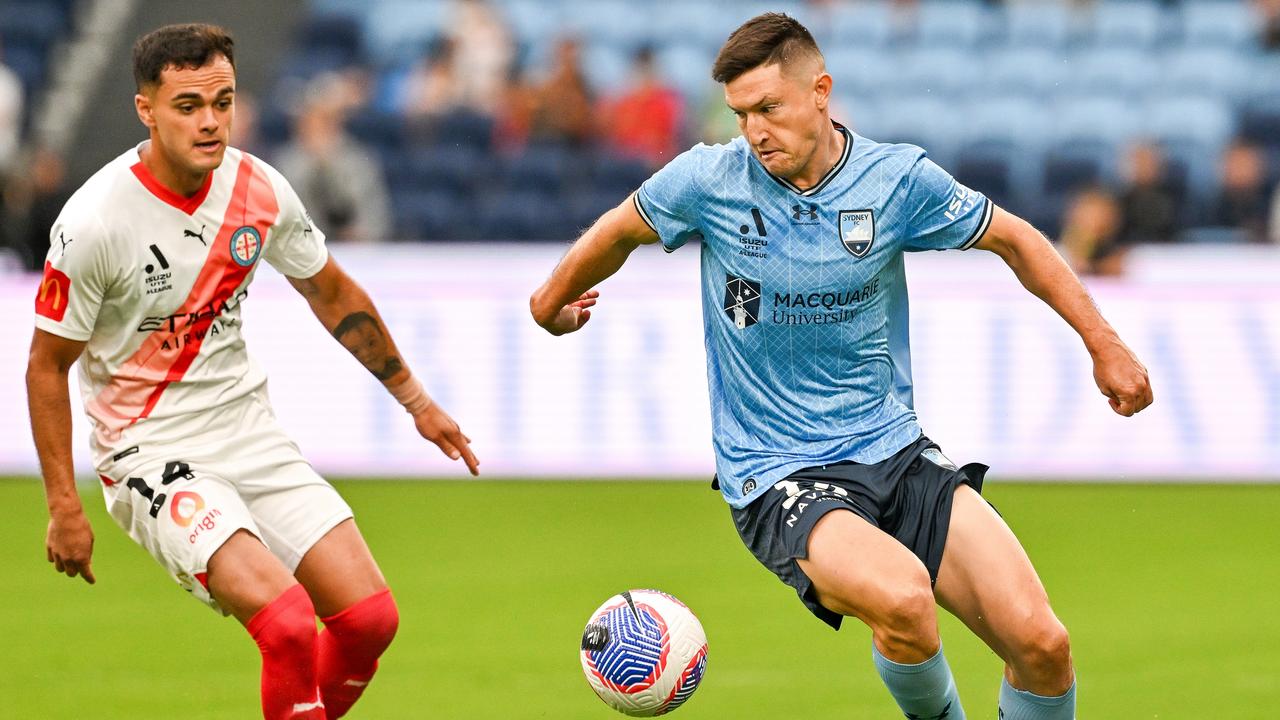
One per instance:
(54,293)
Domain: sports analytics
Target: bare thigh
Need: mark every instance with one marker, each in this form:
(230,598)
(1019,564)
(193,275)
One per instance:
(987,581)
(245,577)
(859,570)
(339,571)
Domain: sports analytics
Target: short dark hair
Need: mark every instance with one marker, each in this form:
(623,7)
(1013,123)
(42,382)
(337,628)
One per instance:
(765,39)
(191,45)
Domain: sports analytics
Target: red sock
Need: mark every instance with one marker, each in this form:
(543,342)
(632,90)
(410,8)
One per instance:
(285,631)
(349,647)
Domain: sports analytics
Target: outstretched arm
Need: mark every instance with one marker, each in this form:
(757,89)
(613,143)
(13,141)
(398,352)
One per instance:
(562,305)
(347,312)
(1116,369)
(69,542)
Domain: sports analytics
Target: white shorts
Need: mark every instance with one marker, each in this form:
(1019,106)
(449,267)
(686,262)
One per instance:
(183,501)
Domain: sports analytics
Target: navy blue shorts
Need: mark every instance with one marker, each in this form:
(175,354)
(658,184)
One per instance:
(908,496)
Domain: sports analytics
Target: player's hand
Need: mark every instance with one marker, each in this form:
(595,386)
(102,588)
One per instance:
(1122,378)
(574,315)
(69,544)
(435,425)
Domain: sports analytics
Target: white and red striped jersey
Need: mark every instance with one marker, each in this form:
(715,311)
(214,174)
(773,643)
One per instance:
(153,281)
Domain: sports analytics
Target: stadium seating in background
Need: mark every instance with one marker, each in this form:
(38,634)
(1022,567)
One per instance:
(1024,101)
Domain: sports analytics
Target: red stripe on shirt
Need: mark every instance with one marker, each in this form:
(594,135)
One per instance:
(136,387)
(187,205)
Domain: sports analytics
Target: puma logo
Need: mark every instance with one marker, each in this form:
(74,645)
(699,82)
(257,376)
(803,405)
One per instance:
(197,235)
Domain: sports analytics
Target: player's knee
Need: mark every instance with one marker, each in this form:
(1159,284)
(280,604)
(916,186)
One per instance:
(287,626)
(906,625)
(367,627)
(1044,651)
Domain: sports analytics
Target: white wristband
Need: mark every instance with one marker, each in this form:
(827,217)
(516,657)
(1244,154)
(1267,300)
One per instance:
(410,394)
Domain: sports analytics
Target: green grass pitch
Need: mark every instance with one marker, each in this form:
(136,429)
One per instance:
(1170,592)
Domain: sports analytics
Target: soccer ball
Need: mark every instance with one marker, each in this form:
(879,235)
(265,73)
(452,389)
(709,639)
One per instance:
(644,653)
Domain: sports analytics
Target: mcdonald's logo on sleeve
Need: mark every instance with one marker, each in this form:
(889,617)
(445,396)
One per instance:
(54,293)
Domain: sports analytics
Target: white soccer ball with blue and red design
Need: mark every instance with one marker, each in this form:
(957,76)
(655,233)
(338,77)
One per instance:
(644,653)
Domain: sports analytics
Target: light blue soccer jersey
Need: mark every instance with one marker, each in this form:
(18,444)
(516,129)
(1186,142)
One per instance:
(804,298)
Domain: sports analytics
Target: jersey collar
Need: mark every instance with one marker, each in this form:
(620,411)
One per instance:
(187,205)
(826,179)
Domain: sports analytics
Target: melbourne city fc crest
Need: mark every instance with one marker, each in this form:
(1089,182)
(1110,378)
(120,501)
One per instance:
(857,231)
(246,245)
(742,301)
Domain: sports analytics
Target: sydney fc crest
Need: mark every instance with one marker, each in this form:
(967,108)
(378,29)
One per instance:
(742,301)
(857,231)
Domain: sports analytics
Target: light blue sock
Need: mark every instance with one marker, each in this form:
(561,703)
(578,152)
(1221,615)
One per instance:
(1022,705)
(925,691)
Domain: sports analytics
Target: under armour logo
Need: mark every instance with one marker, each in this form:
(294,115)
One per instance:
(197,235)
(801,213)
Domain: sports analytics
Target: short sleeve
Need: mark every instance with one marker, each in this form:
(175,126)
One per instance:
(945,215)
(296,246)
(76,277)
(668,201)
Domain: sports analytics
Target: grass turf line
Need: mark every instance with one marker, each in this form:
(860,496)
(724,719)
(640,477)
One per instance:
(1169,593)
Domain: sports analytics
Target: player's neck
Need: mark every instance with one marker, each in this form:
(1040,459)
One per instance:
(168,174)
(825,156)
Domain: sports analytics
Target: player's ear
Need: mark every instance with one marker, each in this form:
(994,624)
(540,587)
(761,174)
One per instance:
(822,90)
(142,103)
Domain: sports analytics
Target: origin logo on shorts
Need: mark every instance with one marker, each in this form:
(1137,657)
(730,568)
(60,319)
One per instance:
(184,506)
(246,245)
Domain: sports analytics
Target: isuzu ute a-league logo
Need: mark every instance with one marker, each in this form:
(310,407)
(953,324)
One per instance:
(742,301)
(857,231)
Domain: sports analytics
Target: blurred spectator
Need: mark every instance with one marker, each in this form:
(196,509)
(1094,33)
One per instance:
(483,50)
(340,181)
(515,117)
(645,122)
(561,103)
(433,88)
(1242,201)
(244,129)
(1091,228)
(33,199)
(1275,216)
(1268,12)
(11,102)
(1149,203)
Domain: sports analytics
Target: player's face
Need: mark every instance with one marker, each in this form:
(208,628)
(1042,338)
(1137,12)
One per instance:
(189,112)
(781,113)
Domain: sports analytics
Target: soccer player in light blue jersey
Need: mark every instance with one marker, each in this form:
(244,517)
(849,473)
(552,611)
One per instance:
(831,482)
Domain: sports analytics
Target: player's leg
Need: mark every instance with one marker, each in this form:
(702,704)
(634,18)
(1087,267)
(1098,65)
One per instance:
(987,581)
(359,614)
(250,583)
(858,570)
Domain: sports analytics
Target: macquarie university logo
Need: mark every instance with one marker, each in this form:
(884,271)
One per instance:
(857,231)
(742,301)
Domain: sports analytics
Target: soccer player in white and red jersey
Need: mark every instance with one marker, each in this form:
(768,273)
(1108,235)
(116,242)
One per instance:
(149,263)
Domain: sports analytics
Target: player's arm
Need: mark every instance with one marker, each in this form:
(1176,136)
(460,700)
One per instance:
(347,312)
(562,305)
(1040,269)
(69,541)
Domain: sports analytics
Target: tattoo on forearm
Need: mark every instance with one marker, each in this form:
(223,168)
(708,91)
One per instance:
(362,335)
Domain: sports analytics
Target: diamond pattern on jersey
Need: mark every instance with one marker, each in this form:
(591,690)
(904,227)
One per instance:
(812,379)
